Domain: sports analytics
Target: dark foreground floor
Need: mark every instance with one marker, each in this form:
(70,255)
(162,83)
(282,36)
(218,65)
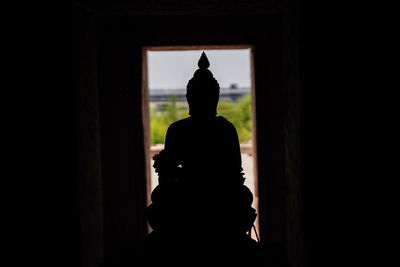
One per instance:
(156,251)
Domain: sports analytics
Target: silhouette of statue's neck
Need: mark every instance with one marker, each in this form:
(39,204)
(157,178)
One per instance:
(201,117)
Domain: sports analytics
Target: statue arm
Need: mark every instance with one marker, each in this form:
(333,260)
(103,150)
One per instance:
(171,139)
(166,162)
(233,149)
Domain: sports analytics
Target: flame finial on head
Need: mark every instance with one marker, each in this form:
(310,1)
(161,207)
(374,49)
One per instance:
(203,61)
(202,77)
(203,90)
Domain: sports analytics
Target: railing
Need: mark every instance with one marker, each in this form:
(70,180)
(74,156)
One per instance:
(244,149)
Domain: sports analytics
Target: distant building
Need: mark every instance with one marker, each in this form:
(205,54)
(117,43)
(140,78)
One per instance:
(160,97)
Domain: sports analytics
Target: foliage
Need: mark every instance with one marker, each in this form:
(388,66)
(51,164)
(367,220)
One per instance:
(161,119)
(238,113)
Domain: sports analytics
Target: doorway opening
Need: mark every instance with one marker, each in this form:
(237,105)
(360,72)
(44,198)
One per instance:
(166,71)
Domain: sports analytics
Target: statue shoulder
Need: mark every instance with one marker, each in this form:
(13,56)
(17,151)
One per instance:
(178,126)
(225,122)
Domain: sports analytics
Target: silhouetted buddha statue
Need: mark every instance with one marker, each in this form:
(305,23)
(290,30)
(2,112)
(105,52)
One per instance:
(201,195)
(205,145)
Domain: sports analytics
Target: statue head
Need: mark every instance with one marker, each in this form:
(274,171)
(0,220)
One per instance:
(202,91)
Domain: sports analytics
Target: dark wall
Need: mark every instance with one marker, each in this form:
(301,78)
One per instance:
(122,136)
(88,135)
(332,140)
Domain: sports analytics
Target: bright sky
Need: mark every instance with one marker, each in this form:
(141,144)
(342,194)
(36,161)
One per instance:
(173,69)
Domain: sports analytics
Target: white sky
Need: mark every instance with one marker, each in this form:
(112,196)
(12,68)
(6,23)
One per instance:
(173,69)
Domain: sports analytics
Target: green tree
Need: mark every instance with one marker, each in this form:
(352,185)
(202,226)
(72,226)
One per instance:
(161,119)
(239,113)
